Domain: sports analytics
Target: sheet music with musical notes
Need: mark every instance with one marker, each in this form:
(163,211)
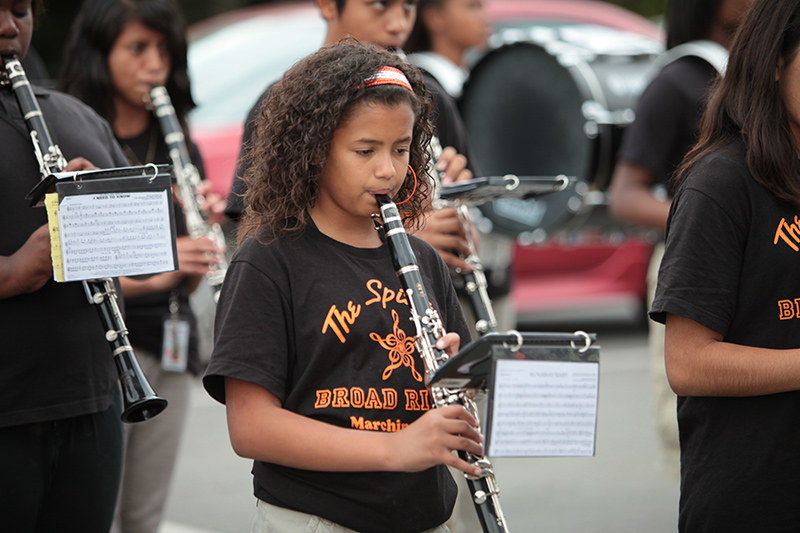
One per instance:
(544,408)
(113,234)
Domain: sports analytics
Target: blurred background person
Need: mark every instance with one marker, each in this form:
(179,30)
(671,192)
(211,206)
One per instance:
(444,31)
(666,126)
(116,52)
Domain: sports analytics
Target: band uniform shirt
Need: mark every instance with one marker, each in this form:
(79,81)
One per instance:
(56,362)
(326,328)
(729,265)
(668,117)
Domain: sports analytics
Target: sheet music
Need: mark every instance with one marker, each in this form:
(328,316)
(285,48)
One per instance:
(115,234)
(544,409)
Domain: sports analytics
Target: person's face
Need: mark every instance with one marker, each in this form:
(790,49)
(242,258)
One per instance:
(138,61)
(16,27)
(463,23)
(789,78)
(384,23)
(369,155)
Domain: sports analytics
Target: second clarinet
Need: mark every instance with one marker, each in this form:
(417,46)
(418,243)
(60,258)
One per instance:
(188,180)
(483,488)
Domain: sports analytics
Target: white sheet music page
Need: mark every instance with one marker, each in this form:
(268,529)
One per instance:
(115,234)
(544,409)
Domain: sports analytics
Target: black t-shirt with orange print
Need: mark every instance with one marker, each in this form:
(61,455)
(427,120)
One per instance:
(326,328)
(731,264)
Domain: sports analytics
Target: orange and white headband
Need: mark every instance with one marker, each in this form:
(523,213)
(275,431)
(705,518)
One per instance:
(387,76)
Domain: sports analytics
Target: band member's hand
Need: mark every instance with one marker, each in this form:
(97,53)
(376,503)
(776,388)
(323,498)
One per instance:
(449,343)
(431,439)
(79,164)
(452,166)
(442,230)
(29,268)
(197,256)
(214,207)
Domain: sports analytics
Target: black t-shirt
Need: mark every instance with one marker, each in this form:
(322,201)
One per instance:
(668,117)
(55,360)
(326,328)
(729,265)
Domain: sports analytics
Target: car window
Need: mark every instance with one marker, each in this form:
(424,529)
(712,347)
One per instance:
(232,66)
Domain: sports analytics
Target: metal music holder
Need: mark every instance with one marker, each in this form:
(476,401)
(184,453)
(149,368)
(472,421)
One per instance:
(542,391)
(479,190)
(109,175)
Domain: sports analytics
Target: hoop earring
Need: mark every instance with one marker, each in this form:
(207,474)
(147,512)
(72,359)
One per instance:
(412,190)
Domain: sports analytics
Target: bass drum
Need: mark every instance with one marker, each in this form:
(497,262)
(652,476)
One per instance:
(549,101)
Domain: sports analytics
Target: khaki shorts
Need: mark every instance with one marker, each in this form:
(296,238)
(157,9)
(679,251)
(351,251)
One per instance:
(273,519)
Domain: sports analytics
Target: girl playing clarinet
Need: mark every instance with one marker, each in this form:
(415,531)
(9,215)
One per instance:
(314,347)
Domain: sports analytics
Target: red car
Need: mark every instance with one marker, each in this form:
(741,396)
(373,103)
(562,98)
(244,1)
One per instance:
(551,96)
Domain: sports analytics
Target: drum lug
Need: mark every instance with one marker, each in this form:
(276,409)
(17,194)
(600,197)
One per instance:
(598,114)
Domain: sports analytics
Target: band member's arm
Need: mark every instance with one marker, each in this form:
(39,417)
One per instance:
(29,268)
(261,429)
(631,197)
(699,363)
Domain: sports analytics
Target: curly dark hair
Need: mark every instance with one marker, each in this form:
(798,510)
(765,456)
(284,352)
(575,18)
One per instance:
(294,129)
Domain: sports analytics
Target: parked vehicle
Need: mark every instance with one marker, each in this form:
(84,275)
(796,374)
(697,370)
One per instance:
(572,258)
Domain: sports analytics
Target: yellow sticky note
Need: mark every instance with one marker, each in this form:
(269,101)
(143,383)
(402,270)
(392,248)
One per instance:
(51,204)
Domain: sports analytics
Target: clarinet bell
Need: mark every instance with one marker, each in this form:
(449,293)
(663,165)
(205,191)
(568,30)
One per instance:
(139,399)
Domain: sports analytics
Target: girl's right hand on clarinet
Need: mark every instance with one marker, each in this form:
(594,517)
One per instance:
(431,439)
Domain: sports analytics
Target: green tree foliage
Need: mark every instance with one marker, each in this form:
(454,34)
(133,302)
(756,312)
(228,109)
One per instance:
(646,8)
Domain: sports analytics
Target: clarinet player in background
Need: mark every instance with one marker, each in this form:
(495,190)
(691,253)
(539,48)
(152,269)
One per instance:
(117,50)
(60,404)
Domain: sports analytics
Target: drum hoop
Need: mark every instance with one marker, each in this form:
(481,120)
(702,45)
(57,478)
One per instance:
(590,88)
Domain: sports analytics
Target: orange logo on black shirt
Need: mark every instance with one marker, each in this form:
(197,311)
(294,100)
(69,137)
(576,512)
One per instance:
(789,233)
(400,349)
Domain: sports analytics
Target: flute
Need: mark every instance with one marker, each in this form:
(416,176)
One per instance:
(188,179)
(139,399)
(484,489)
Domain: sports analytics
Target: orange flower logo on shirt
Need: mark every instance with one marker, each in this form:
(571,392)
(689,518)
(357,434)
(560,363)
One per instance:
(400,349)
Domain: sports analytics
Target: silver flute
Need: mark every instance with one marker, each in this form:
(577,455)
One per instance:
(483,488)
(188,180)
(139,400)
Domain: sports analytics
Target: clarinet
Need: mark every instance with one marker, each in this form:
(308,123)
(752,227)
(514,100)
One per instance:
(475,282)
(188,179)
(140,401)
(484,489)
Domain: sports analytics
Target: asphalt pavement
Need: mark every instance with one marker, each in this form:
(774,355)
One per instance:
(622,489)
